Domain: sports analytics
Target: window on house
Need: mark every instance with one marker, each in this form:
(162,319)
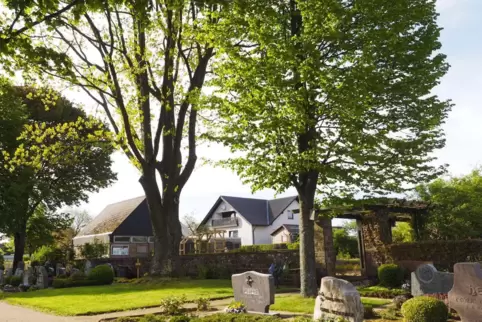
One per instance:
(138,239)
(120,250)
(233,233)
(151,239)
(295,211)
(142,249)
(290,214)
(228,214)
(122,239)
(282,238)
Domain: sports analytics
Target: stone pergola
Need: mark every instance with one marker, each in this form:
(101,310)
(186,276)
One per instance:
(375,219)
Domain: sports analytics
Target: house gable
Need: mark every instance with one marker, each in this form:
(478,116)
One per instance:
(137,223)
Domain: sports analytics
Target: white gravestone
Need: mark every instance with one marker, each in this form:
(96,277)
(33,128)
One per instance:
(338,299)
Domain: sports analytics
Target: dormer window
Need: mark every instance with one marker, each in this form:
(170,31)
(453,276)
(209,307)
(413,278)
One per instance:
(228,214)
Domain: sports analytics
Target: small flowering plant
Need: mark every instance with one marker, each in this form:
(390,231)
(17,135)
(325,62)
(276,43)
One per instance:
(235,307)
(406,287)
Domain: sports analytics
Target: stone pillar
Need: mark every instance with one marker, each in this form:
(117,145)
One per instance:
(376,236)
(324,249)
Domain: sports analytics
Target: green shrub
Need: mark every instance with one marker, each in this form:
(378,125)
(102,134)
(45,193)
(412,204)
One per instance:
(7,280)
(203,304)
(424,309)
(15,280)
(173,305)
(381,292)
(389,314)
(102,274)
(76,276)
(66,282)
(180,318)
(390,275)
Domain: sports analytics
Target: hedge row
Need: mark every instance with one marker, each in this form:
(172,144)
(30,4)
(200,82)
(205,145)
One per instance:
(444,254)
(265,247)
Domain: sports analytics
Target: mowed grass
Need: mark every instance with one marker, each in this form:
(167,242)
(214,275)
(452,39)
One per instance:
(298,304)
(117,297)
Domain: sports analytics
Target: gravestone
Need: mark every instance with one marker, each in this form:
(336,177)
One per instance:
(43,277)
(338,299)
(427,280)
(88,267)
(21,265)
(254,290)
(1,276)
(18,272)
(27,276)
(58,267)
(8,272)
(466,295)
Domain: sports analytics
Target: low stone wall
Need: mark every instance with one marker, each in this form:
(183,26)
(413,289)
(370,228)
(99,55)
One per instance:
(220,265)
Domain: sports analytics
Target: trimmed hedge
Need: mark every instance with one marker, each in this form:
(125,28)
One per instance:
(424,309)
(102,274)
(390,275)
(443,253)
(66,283)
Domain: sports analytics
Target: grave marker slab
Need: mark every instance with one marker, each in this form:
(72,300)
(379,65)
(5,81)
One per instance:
(255,290)
(19,272)
(466,294)
(338,298)
(427,280)
(43,277)
(1,277)
(27,276)
(88,267)
(21,265)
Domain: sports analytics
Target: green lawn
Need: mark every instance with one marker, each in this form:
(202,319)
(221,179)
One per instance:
(117,297)
(296,303)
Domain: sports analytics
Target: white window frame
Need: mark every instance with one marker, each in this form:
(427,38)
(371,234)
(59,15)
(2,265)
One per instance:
(139,242)
(122,247)
(291,215)
(122,241)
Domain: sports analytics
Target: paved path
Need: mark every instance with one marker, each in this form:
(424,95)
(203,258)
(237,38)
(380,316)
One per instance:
(11,313)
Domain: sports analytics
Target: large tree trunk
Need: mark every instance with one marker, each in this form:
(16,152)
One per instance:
(307,247)
(19,239)
(164,214)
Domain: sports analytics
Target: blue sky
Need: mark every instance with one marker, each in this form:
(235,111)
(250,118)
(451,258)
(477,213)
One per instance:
(462,44)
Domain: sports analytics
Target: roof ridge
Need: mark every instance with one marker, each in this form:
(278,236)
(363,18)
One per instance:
(125,200)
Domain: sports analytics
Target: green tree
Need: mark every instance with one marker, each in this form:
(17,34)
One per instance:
(144,63)
(55,158)
(455,205)
(43,226)
(345,244)
(402,233)
(331,97)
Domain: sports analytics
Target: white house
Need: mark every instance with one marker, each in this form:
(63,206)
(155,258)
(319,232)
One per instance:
(252,221)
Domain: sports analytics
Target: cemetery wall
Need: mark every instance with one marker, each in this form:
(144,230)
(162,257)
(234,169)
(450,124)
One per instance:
(220,265)
(444,254)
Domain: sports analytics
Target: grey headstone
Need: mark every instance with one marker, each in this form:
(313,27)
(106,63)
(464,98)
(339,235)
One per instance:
(88,267)
(338,298)
(254,290)
(19,272)
(466,295)
(427,280)
(1,277)
(21,265)
(8,272)
(27,276)
(43,277)
(58,267)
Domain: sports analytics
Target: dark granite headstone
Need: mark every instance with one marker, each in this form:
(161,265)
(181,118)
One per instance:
(427,280)
(466,295)
(254,290)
